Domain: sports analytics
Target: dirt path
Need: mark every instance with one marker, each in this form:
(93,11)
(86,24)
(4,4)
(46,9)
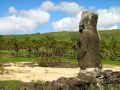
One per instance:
(28,74)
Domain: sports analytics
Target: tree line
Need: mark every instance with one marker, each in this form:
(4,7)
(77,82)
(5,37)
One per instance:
(46,46)
(50,47)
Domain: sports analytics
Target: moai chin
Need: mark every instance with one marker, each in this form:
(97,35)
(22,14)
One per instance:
(88,48)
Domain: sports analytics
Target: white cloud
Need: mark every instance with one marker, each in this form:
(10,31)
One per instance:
(12,10)
(108,19)
(23,21)
(70,7)
(67,24)
(28,20)
(15,24)
(36,15)
(66,7)
(48,6)
(64,24)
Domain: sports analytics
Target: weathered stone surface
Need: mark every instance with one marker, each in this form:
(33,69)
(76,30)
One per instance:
(110,77)
(35,86)
(88,79)
(88,48)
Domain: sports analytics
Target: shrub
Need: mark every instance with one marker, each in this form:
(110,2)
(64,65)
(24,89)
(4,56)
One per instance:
(41,62)
(2,70)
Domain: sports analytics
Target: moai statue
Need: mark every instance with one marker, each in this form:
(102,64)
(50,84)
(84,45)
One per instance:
(88,48)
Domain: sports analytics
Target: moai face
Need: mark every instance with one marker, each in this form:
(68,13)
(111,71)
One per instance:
(81,26)
(88,21)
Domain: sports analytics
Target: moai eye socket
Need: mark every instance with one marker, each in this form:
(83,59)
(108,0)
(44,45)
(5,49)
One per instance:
(81,27)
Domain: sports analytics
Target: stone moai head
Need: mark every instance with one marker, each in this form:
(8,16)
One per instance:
(88,21)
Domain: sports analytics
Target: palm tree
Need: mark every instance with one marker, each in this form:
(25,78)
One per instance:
(113,48)
(15,44)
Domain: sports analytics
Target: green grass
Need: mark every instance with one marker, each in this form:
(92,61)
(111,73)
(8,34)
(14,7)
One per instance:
(64,36)
(17,59)
(104,62)
(64,59)
(107,34)
(71,60)
(11,85)
(15,84)
(110,62)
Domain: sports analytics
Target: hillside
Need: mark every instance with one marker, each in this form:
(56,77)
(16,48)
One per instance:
(106,35)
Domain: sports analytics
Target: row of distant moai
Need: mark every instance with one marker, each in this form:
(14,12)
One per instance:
(88,47)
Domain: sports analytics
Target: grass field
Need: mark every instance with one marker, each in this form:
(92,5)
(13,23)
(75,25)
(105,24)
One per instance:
(65,36)
(72,60)
(17,59)
(109,62)
(14,84)
(10,85)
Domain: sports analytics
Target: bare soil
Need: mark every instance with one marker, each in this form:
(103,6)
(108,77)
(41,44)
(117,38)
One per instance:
(24,72)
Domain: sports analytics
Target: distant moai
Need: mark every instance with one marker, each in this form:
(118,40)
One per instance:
(88,47)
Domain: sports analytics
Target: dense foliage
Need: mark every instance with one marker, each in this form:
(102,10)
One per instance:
(55,45)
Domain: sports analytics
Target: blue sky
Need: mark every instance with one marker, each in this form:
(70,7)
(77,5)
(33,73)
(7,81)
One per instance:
(33,16)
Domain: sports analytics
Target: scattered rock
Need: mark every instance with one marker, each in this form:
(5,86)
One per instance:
(89,78)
